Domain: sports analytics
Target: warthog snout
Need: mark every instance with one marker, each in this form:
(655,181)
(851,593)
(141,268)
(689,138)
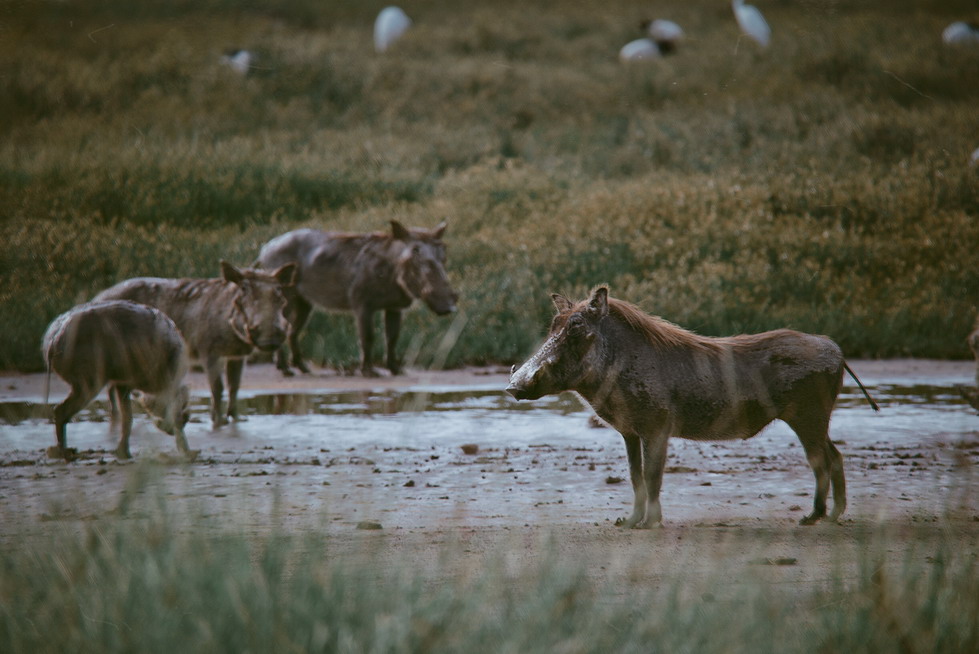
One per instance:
(443,306)
(272,343)
(524,382)
(519,393)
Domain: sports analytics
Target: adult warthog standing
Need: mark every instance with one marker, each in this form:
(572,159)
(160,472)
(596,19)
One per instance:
(364,274)
(129,347)
(652,380)
(223,319)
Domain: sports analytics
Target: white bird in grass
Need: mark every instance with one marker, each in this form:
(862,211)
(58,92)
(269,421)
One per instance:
(639,50)
(960,32)
(238,60)
(391,24)
(665,33)
(751,22)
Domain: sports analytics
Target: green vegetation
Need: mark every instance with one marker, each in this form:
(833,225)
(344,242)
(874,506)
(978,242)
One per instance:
(822,184)
(154,584)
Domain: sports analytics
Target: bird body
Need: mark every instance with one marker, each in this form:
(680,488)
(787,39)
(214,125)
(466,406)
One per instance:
(639,50)
(238,60)
(751,22)
(391,24)
(960,32)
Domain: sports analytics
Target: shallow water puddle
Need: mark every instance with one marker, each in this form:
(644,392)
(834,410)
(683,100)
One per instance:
(307,424)
(477,457)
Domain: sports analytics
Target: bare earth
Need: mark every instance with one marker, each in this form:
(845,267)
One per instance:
(447,511)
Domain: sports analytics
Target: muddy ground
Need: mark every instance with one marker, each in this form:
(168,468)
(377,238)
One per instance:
(429,502)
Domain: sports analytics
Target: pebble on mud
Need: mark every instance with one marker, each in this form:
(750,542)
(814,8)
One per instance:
(614,480)
(470,448)
(369,524)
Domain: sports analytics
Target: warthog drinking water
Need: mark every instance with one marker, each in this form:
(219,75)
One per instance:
(129,347)
(224,318)
(652,380)
(364,274)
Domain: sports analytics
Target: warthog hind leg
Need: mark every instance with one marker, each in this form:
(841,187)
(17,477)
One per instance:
(827,466)
(77,399)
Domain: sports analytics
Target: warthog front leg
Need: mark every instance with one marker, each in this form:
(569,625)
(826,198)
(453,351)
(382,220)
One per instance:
(653,464)
(212,367)
(297,314)
(633,448)
(392,329)
(125,407)
(234,368)
(365,332)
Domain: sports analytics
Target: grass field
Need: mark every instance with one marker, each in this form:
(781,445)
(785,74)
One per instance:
(161,583)
(823,184)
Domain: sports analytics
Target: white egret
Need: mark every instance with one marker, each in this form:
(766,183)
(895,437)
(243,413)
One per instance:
(391,24)
(960,32)
(639,50)
(238,60)
(665,33)
(751,22)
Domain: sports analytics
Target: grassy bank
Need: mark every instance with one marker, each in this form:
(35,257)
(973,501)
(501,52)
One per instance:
(156,584)
(822,184)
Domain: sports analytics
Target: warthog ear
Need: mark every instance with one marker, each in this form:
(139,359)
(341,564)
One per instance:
(561,303)
(399,231)
(439,230)
(230,273)
(286,275)
(598,302)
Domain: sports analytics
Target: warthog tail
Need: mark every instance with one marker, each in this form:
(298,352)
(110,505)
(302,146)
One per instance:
(873,404)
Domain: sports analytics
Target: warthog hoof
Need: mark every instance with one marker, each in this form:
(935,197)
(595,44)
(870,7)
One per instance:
(811,519)
(191,455)
(123,453)
(66,453)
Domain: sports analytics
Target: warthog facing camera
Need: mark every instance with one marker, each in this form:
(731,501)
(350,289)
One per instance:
(652,380)
(364,274)
(221,319)
(129,347)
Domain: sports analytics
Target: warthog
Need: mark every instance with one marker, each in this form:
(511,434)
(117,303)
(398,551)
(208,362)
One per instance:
(651,380)
(129,347)
(362,273)
(221,319)
(971,395)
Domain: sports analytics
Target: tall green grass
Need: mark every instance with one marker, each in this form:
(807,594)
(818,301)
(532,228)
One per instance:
(155,584)
(822,184)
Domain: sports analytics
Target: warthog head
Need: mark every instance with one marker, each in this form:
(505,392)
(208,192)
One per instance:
(256,315)
(170,411)
(568,357)
(421,267)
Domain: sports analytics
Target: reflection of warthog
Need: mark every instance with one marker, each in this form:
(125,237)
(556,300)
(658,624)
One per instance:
(651,380)
(128,346)
(362,273)
(224,318)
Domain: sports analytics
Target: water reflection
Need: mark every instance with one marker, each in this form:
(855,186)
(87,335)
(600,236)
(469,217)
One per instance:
(374,403)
